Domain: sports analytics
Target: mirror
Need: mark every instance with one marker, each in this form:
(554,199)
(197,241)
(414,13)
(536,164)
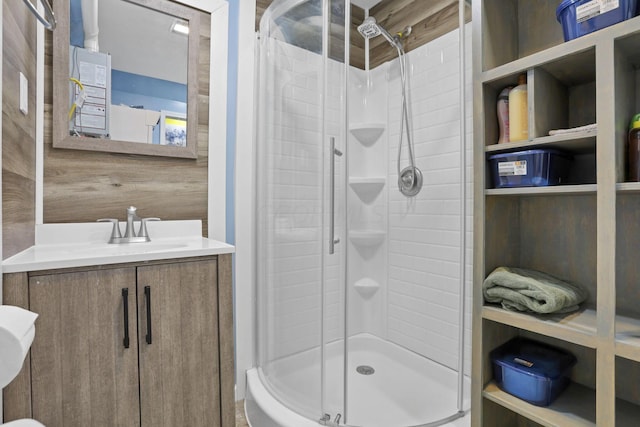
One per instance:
(133,88)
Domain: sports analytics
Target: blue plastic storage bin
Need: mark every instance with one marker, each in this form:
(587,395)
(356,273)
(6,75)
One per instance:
(580,17)
(530,168)
(532,371)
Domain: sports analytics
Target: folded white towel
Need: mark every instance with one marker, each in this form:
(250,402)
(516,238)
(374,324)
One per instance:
(586,128)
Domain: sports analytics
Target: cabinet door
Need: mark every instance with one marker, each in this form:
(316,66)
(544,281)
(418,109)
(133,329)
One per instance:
(179,361)
(82,374)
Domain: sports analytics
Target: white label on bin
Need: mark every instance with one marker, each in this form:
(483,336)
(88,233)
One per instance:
(523,362)
(607,5)
(512,168)
(594,8)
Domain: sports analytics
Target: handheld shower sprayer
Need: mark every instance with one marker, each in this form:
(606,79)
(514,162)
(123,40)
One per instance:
(409,178)
(370,29)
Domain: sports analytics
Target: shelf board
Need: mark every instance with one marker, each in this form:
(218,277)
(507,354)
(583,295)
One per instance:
(367,133)
(573,55)
(578,143)
(627,414)
(575,407)
(543,191)
(367,188)
(367,238)
(578,327)
(366,287)
(628,187)
(628,338)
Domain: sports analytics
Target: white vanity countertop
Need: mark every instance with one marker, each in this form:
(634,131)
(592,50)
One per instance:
(85,244)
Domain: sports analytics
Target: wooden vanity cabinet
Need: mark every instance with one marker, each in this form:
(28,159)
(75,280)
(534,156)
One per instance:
(176,368)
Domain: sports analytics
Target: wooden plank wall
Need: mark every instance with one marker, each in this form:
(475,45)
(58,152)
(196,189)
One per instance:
(82,186)
(18,130)
(429,19)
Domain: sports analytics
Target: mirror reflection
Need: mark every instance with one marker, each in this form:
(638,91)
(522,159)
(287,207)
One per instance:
(127,73)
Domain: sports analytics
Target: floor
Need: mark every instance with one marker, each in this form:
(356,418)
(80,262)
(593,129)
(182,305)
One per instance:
(241,421)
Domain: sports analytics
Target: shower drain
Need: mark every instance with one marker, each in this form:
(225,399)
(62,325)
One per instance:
(365,370)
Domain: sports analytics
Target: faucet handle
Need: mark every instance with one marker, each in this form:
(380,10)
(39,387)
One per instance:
(143,227)
(115,232)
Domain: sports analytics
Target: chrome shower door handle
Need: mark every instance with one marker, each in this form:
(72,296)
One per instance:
(332,196)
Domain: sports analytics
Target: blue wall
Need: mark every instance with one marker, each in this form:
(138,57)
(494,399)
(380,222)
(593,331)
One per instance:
(141,91)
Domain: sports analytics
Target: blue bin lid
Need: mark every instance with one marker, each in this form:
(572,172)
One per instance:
(533,358)
(563,5)
(529,152)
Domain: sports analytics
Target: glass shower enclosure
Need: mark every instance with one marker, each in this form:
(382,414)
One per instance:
(324,274)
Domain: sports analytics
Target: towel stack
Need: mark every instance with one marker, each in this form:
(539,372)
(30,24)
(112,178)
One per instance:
(519,289)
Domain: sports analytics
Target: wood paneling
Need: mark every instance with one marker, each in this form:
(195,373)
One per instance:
(179,367)
(82,186)
(429,19)
(18,130)
(226,337)
(82,374)
(17,395)
(261,6)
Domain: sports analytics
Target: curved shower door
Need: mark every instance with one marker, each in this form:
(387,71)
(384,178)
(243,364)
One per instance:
(301,190)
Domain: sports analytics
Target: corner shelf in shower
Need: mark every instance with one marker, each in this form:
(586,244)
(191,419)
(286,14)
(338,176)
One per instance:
(367,238)
(367,133)
(367,188)
(366,287)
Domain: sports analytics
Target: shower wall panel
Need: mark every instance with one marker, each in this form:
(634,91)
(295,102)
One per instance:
(424,231)
(293,216)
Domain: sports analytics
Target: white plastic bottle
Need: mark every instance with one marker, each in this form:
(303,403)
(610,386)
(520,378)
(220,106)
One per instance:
(502,111)
(518,111)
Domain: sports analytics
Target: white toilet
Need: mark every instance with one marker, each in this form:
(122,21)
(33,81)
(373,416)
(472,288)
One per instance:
(17,330)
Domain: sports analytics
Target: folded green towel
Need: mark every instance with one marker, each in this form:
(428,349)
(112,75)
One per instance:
(518,289)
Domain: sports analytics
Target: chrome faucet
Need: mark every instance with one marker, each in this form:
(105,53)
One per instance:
(131,216)
(130,235)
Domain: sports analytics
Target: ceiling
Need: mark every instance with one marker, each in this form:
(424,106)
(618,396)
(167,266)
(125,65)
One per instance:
(140,41)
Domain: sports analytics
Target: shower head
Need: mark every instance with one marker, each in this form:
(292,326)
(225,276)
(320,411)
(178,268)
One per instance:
(370,29)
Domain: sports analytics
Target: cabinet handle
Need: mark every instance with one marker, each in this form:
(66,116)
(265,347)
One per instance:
(125,304)
(147,295)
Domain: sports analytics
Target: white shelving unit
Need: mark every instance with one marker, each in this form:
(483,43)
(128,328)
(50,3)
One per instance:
(586,231)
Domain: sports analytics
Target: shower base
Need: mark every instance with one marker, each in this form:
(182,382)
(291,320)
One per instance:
(405,389)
